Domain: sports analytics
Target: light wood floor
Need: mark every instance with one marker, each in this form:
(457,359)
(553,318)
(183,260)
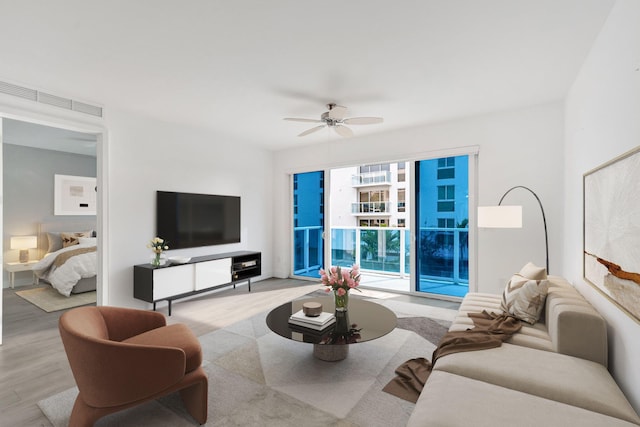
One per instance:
(33,364)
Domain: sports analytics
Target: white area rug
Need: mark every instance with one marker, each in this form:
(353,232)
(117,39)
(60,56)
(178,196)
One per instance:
(48,299)
(257,378)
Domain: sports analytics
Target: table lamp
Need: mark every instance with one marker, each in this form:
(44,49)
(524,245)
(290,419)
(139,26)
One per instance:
(24,243)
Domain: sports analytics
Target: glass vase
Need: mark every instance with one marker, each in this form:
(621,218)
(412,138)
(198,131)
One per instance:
(158,260)
(341,301)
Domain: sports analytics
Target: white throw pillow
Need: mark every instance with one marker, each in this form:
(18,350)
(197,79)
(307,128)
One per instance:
(532,271)
(93,241)
(524,298)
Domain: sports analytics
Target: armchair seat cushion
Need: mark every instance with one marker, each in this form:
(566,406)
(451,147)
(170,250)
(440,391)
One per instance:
(177,336)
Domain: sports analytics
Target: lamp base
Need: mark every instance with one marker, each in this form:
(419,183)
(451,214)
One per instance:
(24,256)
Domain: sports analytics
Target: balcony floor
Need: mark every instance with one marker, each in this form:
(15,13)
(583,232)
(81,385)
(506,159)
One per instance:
(382,281)
(398,284)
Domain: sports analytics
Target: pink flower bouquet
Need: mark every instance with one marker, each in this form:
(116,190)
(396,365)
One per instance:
(341,281)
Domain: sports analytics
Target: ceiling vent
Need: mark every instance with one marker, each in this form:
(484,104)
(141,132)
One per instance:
(46,98)
(81,107)
(56,101)
(19,91)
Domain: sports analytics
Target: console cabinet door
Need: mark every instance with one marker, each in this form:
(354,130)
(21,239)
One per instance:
(213,273)
(171,281)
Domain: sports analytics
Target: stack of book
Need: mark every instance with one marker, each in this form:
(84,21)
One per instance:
(318,323)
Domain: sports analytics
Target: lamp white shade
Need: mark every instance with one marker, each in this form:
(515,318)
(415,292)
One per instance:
(500,216)
(24,242)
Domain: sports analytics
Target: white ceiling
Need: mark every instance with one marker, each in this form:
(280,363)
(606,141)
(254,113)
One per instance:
(239,67)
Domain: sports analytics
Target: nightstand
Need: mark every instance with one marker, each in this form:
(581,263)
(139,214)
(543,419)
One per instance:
(15,267)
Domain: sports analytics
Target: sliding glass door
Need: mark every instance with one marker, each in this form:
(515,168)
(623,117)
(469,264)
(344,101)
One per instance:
(405,223)
(308,223)
(442,226)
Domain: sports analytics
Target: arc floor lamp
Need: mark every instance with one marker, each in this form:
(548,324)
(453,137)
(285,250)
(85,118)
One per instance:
(510,217)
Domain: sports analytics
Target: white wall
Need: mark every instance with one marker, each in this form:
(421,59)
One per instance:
(517,147)
(147,155)
(603,121)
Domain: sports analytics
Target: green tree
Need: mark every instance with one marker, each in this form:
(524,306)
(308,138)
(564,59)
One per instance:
(368,244)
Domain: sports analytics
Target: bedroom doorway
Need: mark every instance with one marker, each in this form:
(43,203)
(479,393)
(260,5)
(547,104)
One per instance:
(36,150)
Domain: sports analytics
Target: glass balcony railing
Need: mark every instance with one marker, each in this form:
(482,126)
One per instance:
(380,249)
(444,254)
(308,248)
(371,178)
(370,207)
(343,247)
(444,251)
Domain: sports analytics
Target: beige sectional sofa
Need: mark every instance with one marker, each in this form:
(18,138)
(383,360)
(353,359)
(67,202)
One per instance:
(552,373)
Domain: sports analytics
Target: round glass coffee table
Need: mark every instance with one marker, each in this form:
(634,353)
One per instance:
(363,321)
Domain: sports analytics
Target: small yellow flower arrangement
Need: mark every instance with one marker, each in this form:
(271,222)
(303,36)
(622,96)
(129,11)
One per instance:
(157,246)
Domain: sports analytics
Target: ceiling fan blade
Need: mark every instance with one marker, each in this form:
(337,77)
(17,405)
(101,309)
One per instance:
(337,112)
(312,130)
(293,119)
(343,130)
(362,120)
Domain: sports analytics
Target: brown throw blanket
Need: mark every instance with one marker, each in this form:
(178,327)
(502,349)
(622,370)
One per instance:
(489,331)
(63,257)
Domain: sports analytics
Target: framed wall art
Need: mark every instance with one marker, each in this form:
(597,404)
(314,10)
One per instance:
(611,248)
(74,195)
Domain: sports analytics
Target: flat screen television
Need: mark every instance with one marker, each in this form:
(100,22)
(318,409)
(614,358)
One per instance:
(188,220)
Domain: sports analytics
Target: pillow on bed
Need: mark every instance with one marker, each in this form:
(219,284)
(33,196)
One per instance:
(55,242)
(93,241)
(70,239)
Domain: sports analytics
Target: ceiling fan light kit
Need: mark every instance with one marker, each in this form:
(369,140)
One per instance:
(335,118)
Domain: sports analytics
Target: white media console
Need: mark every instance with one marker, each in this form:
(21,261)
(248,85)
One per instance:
(200,274)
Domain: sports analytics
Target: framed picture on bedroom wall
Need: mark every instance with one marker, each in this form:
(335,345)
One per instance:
(611,252)
(74,195)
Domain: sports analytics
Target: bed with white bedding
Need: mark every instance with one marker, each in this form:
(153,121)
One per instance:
(70,257)
(64,268)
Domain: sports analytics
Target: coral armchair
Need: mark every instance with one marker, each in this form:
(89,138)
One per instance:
(123,357)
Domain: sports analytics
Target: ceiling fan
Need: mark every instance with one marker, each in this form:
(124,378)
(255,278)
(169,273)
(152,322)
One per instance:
(335,118)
